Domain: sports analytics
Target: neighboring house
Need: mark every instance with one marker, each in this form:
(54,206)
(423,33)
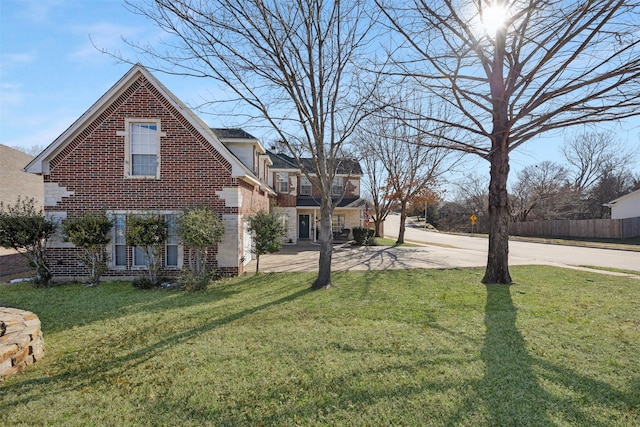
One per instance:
(140,150)
(298,197)
(14,184)
(627,206)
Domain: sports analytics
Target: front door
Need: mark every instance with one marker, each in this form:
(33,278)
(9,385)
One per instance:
(303,226)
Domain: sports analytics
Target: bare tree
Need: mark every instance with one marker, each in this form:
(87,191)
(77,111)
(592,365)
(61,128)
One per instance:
(412,167)
(293,62)
(545,65)
(542,191)
(591,156)
(610,186)
(375,181)
(33,150)
(471,197)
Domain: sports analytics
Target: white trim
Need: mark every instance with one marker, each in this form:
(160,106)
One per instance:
(128,122)
(40,164)
(129,248)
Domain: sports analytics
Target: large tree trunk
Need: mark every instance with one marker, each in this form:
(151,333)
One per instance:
(498,258)
(326,247)
(377,223)
(403,220)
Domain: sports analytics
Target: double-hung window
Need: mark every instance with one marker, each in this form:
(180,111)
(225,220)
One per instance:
(119,241)
(337,187)
(305,186)
(282,182)
(337,223)
(171,244)
(127,256)
(142,142)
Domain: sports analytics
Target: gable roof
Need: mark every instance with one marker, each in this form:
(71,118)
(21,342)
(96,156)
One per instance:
(631,195)
(40,165)
(282,161)
(232,133)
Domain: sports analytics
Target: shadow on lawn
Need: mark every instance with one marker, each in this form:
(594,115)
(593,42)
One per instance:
(516,396)
(516,387)
(88,375)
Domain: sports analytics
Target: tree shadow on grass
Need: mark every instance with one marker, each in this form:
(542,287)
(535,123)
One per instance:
(512,389)
(516,397)
(84,376)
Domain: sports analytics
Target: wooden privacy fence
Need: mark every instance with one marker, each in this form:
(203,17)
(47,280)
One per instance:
(586,228)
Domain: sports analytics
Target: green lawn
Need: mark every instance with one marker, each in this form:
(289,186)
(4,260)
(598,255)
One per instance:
(415,347)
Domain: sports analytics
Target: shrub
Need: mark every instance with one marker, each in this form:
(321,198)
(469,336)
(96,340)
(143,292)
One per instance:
(90,233)
(149,233)
(190,281)
(26,230)
(267,230)
(364,236)
(199,228)
(144,282)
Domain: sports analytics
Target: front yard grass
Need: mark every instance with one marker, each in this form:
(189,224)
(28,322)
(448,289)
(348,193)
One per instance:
(401,347)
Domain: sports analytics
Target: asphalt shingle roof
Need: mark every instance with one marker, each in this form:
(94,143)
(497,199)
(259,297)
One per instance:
(282,161)
(232,133)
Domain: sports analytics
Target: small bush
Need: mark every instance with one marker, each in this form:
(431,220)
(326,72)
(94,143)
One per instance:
(26,230)
(190,281)
(364,236)
(144,282)
(90,233)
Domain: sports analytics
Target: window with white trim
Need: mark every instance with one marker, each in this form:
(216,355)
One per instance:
(337,223)
(142,148)
(282,182)
(120,250)
(171,244)
(119,241)
(305,186)
(139,257)
(337,186)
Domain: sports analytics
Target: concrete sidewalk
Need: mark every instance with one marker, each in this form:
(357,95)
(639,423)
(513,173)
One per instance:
(346,257)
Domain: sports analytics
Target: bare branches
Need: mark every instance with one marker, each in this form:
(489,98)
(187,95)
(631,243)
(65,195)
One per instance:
(295,63)
(564,64)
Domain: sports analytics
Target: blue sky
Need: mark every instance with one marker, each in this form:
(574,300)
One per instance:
(50,73)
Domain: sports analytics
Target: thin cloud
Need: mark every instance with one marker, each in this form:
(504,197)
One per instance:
(36,11)
(12,95)
(102,36)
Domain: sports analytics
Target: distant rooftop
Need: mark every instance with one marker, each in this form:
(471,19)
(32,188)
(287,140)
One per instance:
(232,133)
(282,161)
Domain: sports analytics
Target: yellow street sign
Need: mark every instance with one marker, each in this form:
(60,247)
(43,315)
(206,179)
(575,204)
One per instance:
(473,219)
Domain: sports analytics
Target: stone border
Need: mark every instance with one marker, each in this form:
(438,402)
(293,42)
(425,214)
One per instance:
(22,344)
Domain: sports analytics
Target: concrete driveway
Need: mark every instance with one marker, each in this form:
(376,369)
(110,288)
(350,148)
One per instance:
(305,255)
(439,250)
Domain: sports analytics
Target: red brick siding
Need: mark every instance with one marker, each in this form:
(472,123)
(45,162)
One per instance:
(286,200)
(92,166)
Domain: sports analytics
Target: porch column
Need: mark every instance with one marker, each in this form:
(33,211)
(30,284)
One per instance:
(315,226)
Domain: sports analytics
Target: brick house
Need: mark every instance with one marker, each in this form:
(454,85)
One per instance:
(298,197)
(138,150)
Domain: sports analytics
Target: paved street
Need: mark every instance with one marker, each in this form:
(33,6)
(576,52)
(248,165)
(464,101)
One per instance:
(439,250)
